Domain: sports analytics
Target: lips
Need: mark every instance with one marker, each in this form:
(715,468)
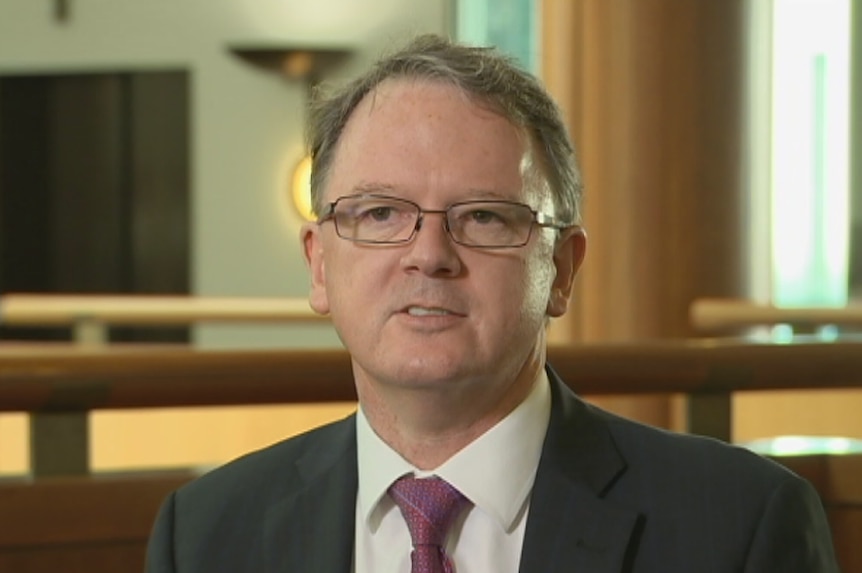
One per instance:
(430,310)
(432,303)
(425,311)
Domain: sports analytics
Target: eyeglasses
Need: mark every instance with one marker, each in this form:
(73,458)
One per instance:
(383,220)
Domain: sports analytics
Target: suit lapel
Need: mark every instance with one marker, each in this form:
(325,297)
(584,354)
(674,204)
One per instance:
(570,526)
(312,528)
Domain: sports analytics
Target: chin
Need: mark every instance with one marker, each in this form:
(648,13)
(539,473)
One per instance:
(427,370)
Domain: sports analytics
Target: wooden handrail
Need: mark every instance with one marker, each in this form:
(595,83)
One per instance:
(714,315)
(118,376)
(148,310)
(63,378)
(82,524)
(111,507)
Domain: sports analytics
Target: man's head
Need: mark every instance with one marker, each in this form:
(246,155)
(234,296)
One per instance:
(483,74)
(441,248)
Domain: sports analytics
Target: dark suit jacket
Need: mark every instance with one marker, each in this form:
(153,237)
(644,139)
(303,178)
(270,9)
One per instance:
(610,496)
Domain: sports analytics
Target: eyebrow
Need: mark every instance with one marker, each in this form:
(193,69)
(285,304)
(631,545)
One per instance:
(371,188)
(487,194)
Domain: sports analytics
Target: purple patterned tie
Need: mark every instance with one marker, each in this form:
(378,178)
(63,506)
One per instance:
(429,507)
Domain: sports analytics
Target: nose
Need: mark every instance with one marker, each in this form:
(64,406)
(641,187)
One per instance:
(432,251)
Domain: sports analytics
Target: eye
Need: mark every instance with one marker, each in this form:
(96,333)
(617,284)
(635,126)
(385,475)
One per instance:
(484,216)
(379,214)
(378,211)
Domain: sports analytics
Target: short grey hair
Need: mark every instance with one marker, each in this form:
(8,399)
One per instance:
(490,78)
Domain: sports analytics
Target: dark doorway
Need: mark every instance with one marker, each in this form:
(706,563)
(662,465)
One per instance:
(94,189)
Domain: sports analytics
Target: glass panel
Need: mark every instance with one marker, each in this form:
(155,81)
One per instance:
(810,143)
(511,25)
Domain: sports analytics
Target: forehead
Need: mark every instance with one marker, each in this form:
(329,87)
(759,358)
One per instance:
(412,134)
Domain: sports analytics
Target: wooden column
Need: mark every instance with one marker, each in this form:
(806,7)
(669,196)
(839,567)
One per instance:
(654,94)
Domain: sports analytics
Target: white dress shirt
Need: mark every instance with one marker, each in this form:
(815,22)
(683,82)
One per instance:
(495,472)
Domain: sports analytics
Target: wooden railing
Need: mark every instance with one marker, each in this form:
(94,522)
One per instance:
(60,433)
(67,383)
(81,524)
(55,377)
(60,384)
(837,478)
(90,315)
(712,315)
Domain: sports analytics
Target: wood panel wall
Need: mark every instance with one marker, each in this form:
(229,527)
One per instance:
(653,91)
(80,524)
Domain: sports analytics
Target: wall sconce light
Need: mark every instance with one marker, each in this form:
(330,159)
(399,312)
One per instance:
(303,62)
(300,188)
(299,62)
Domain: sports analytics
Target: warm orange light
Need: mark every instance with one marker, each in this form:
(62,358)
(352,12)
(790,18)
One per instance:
(301,188)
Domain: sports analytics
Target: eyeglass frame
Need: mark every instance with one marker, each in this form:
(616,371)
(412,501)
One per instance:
(539,219)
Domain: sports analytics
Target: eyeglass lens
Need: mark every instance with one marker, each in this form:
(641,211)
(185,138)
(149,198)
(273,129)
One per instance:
(380,219)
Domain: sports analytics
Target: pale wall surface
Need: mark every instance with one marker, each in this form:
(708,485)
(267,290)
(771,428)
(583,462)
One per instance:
(246,123)
(246,133)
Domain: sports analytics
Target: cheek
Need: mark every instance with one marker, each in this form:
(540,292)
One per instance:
(353,281)
(539,278)
(343,287)
(525,288)
(350,309)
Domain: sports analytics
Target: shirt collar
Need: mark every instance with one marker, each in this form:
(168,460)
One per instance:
(509,450)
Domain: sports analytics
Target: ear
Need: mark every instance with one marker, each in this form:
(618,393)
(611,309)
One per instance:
(569,253)
(312,249)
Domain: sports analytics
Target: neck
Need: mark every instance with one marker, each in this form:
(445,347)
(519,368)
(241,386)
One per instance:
(427,426)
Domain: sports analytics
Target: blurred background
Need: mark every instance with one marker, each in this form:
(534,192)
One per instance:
(150,147)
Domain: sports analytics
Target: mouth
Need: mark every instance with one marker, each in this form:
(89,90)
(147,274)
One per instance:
(431,310)
(427,311)
(429,318)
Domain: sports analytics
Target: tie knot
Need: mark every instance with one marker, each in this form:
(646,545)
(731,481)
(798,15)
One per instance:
(429,507)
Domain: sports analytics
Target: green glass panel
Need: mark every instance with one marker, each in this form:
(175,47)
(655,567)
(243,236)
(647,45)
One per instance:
(510,25)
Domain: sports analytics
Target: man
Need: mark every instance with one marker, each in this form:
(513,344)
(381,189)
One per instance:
(447,237)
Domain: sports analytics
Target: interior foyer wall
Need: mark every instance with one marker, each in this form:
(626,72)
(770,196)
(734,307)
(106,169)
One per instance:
(836,412)
(246,136)
(654,96)
(653,91)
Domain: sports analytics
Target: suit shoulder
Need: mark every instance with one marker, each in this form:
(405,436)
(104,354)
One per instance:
(273,463)
(692,456)
(219,521)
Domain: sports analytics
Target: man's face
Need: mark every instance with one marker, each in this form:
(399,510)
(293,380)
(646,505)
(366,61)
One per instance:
(430,312)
